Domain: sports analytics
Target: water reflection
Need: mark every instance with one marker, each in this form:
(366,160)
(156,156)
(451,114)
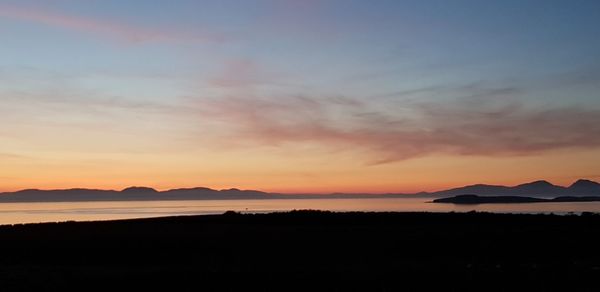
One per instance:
(11,213)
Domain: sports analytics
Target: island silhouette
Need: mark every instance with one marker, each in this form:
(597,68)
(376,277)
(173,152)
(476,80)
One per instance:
(475,199)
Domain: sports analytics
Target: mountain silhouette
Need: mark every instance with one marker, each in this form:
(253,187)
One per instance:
(540,187)
(584,187)
(139,190)
(537,189)
(129,194)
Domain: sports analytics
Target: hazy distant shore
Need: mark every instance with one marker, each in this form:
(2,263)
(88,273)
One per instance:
(301,251)
(536,189)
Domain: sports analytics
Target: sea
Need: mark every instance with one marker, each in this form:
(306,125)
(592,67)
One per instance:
(18,213)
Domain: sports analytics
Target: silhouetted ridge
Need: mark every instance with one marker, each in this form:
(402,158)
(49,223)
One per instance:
(139,190)
(479,189)
(584,187)
(537,185)
(539,189)
(584,182)
(130,194)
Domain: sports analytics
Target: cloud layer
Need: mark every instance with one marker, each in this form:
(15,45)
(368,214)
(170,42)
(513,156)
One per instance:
(110,29)
(402,131)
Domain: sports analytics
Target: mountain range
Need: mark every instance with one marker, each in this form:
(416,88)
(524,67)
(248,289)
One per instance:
(130,194)
(540,189)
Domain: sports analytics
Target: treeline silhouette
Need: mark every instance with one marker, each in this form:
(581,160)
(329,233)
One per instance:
(307,251)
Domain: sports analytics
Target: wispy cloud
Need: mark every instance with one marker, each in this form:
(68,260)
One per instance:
(408,130)
(239,74)
(110,29)
(11,156)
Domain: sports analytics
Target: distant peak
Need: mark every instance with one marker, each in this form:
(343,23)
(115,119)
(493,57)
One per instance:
(192,189)
(231,190)
(28,190)
(542,182)
(585,183)
(139,190)
(539,183)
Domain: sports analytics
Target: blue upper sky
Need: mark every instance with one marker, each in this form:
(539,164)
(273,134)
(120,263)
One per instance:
(369,48)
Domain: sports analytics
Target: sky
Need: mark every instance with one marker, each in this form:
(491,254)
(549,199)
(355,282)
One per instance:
(297,96)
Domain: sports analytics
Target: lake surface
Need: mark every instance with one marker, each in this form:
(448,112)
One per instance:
(12,213)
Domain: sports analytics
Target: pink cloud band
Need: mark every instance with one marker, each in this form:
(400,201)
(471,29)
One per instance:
(110,29)
(418,130)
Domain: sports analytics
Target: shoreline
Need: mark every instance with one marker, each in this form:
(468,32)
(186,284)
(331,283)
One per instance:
(316,211)
(307,250)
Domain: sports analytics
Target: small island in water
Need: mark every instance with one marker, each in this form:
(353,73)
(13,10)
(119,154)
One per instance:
(475,199)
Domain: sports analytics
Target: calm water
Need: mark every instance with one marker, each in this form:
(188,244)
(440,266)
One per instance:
(11,213)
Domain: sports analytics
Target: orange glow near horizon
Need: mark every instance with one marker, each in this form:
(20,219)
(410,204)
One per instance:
(311,174)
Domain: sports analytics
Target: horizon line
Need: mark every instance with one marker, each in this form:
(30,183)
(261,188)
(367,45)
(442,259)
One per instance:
(289,193)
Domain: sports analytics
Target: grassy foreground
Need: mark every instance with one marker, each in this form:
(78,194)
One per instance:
(307,251)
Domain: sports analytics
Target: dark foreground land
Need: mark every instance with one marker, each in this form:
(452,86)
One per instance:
(307,251)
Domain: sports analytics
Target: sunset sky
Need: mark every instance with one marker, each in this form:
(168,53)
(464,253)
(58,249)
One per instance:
(298,96)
